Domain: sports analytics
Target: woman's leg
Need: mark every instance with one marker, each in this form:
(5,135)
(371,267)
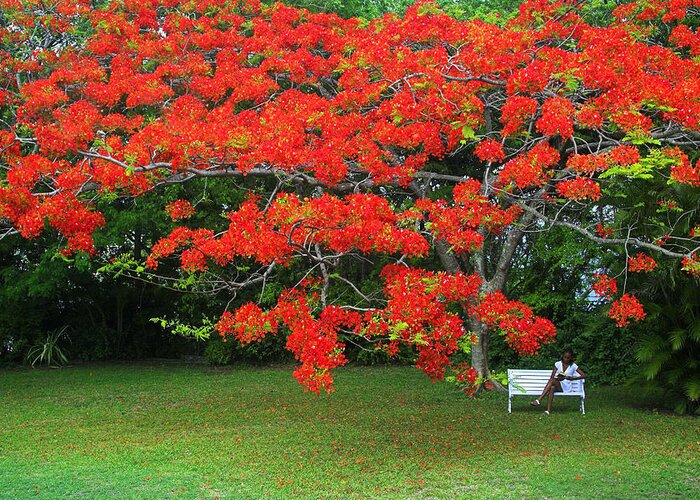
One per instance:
(544,392)
(555,386)
(547,387)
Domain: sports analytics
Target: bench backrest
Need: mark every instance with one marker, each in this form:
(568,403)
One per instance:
(533,381)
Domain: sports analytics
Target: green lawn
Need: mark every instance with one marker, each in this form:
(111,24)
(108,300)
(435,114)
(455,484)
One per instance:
(153,431)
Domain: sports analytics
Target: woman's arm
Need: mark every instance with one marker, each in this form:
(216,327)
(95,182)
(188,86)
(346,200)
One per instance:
(581,375)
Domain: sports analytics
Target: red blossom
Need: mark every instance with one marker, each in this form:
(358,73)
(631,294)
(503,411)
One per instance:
(587,164)
(515,112)
(662,241)
(490,150)
(580,188)
(524,331)
(466,378)
(248,324)
(641,263)
(603,231)
(529,169)
(627,308)
(683,171)
(556,118)
(180,209)
(604,286)
(623,155)
(691,265)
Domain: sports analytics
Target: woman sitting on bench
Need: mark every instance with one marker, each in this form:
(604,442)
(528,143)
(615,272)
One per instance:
(564,372)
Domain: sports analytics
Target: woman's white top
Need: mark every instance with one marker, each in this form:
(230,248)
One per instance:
(566,385)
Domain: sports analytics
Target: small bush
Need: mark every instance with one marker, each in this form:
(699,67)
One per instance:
(218,352)
(271,349)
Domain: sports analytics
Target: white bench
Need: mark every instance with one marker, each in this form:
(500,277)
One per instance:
(532,382)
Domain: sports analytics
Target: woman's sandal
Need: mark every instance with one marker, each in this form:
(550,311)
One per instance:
(546,412)
(536,402)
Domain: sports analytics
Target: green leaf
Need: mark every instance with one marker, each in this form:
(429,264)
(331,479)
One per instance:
(694,331)
(649,347)
(654,105)
(199,333)
(640,137)
(465,345)
(468,132)
(677,338)
(400,326)
(692,389)
(60,256)
(644,169)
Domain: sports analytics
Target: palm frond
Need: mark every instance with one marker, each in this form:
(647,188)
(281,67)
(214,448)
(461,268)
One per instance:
(677,338)
(692,389)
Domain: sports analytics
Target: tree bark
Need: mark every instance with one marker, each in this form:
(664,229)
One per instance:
(480,350)
(492,281)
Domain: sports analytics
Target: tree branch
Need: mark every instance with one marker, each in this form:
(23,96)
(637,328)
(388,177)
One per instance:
(606,241)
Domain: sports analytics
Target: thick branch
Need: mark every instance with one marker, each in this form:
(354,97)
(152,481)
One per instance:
(505,260)
(607,241)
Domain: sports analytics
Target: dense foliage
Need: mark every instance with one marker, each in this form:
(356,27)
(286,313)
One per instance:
(333,126)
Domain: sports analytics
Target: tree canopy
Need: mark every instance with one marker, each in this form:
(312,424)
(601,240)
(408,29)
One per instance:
(335,126)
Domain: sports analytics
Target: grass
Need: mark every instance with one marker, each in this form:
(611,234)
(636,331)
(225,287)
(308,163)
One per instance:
(162,430)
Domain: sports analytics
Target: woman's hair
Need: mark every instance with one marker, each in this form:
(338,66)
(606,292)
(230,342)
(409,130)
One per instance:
(570,351)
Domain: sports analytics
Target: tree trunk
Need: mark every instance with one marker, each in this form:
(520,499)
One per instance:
(138,243)
(498,276)
(480,350)
(119,323)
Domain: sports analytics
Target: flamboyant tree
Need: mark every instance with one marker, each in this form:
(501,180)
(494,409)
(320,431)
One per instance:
(554,122)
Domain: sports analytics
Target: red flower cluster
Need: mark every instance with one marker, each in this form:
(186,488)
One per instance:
(580,188)
(179,209)
(248,324)
(691,265)
(490,150)
(459,224)
(524,331)
(682,171)
(649,10)
(291,225)
(604,286)
(604,232)
(530,169)
(641,263)
(515,112)
(416,313)
(626,308)
(557,118)
(71,218)
(623,155)
(592,163)
(466,378)
(587,164)
(684,37)
(313,341)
